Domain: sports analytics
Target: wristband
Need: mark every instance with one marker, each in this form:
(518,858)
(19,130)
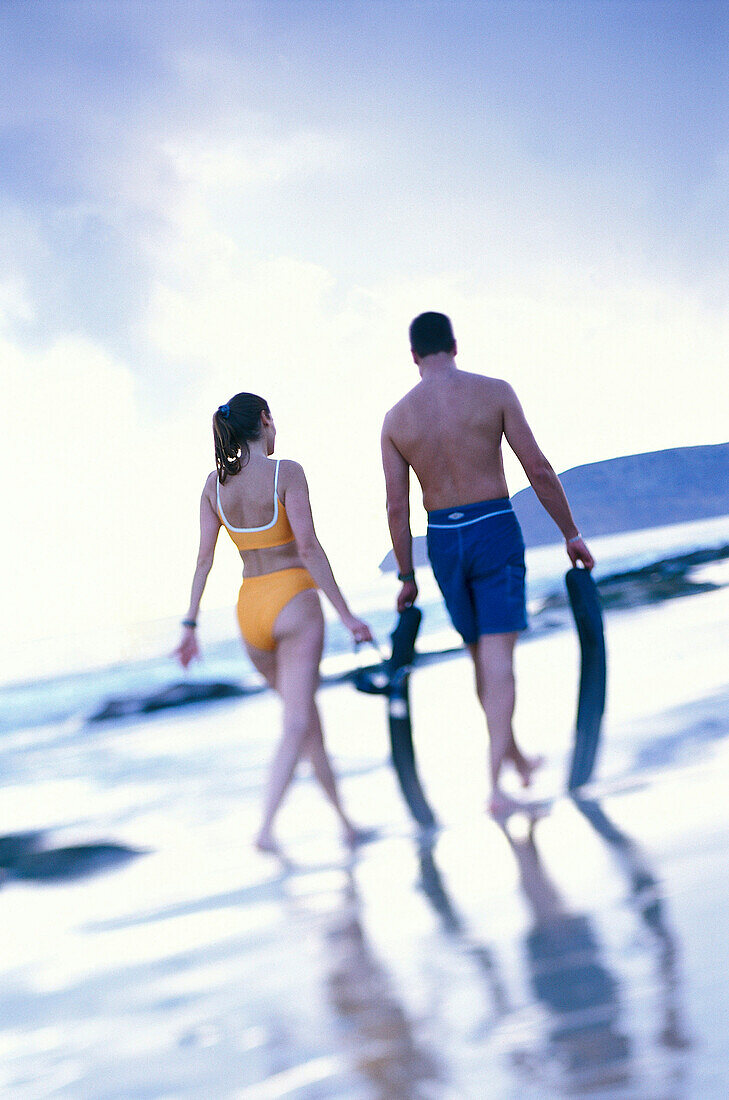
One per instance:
(575,538)
(190,622)
(406,576)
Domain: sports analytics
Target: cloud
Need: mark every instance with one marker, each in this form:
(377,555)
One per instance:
(257,160)
(97,492)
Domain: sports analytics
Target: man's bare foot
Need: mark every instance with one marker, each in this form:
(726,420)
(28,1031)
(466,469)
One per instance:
(526,766)
(501,805)
(354,837)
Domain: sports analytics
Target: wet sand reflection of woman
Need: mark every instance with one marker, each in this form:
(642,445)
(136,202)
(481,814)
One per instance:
(385,1050)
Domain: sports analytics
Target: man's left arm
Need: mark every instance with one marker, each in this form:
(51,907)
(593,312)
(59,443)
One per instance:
(543,479)
(397,486)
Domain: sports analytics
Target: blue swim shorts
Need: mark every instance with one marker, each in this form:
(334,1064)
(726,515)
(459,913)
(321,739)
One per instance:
(477,555)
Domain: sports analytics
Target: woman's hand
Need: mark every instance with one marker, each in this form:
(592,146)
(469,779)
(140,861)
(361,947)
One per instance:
(357,628)
(188,649)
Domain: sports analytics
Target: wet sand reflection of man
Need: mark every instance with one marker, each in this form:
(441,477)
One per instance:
(590,1042)
(589,1046)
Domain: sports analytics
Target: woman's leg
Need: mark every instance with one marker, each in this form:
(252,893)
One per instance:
(299,634)
(316,751)
(313,748)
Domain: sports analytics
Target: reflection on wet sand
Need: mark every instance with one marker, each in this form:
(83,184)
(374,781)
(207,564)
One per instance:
(375,1027)
(588,1046)
(582,1044)
(586,1040)
(453,925)
(645,895)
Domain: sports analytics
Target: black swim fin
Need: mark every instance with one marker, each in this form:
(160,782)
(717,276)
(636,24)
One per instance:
(585,603)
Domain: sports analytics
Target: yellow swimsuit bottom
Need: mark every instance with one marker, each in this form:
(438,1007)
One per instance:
(262,598)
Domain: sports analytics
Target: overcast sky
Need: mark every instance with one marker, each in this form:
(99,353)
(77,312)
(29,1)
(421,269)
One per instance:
(201,198)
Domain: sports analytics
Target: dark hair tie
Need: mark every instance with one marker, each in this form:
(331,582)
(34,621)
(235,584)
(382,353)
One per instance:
(224,411)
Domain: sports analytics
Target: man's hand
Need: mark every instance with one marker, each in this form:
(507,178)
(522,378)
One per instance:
(407,595)
(578,552)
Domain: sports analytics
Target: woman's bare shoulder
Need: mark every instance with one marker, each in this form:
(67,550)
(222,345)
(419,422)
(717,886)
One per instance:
(210,489)
(290,474)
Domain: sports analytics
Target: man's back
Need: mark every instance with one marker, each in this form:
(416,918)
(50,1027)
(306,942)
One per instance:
(449,429)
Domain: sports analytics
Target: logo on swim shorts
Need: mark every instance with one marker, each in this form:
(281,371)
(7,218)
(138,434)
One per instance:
(456,515)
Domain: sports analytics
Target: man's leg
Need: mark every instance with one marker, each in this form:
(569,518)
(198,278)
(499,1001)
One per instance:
(493,657)
(524,765)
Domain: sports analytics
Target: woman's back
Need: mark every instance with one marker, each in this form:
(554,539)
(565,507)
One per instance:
(250,506)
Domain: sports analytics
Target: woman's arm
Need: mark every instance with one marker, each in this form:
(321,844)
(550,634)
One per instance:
(295,495)
(209,530)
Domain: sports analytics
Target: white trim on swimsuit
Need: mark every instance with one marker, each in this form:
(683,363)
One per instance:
(251,530)
(468,522)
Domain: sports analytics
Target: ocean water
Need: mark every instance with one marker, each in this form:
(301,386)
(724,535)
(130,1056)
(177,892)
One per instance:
(82,691)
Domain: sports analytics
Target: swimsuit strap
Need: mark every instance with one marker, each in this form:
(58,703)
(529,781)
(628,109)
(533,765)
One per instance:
(253,530)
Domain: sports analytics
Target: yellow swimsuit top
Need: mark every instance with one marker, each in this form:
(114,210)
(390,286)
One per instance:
(276,533)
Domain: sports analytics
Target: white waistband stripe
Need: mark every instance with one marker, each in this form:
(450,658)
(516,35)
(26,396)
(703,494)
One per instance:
(468,522)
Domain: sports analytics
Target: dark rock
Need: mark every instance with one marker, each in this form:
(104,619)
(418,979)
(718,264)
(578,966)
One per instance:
(76,861)
(16,845)
(176,695)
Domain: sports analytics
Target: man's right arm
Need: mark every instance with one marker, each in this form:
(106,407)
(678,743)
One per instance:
(542,478)
(397,486)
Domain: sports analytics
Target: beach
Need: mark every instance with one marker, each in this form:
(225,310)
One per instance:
(204,200)
(151,952)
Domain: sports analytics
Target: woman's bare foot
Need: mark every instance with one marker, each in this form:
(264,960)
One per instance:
(526,766)
(264,842)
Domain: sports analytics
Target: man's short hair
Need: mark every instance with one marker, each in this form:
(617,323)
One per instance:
(431,333)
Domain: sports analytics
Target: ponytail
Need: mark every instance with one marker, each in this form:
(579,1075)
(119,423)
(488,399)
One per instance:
(235,425)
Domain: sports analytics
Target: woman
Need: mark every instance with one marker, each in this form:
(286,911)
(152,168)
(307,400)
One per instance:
(265,508)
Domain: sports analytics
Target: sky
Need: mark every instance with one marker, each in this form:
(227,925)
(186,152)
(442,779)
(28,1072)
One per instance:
(199,198)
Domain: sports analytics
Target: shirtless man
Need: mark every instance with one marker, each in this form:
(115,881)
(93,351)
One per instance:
(449,428)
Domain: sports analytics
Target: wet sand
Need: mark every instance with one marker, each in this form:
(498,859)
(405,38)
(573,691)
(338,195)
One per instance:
(579,953)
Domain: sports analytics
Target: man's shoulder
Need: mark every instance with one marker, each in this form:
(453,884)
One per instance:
(483,381)
(401,407)
(493,391)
